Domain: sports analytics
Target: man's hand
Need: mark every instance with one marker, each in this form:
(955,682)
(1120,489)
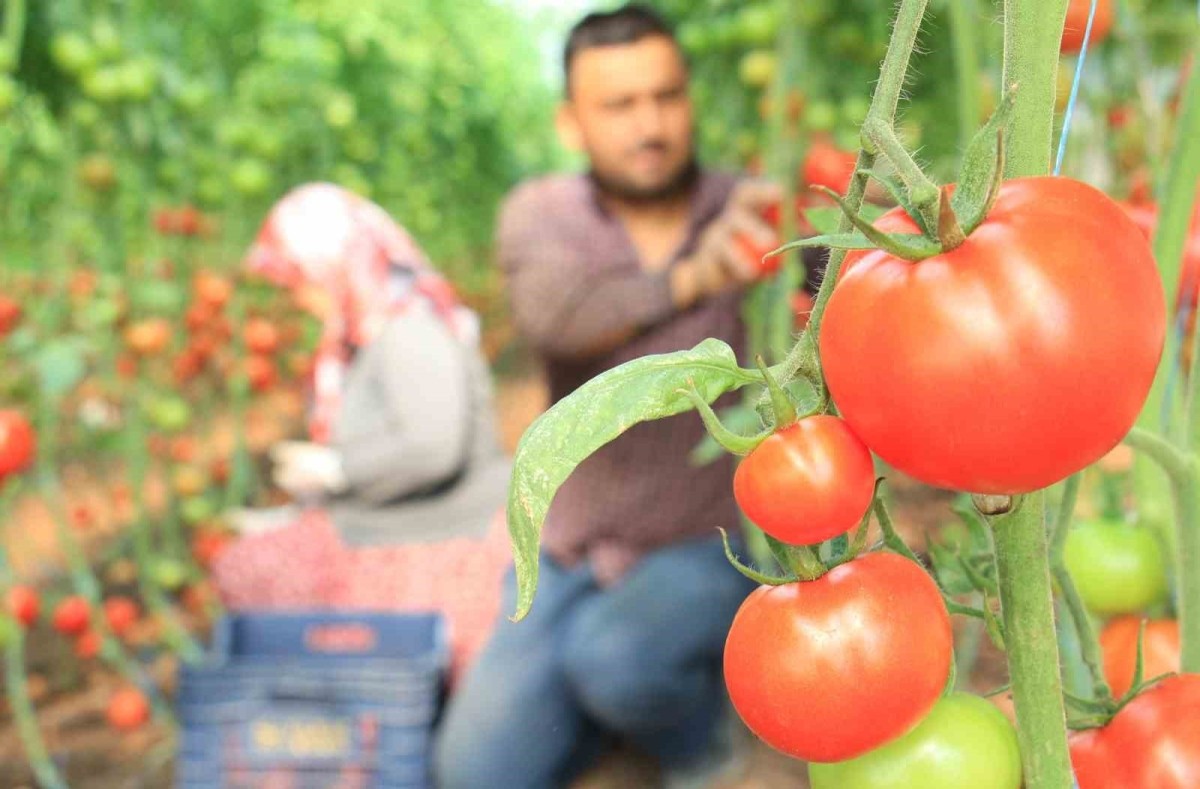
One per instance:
(307,470)
(721,261)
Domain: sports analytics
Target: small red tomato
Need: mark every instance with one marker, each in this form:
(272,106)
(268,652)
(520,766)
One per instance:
(87,645)
(1076,24)
(17,443)
(81,517)
(261,336)
(121,613)
(24,604)
(71,616)
(128,709)
(148,337)
(212,289)
(261,372)
(808,482)
(10,314)
(207,546)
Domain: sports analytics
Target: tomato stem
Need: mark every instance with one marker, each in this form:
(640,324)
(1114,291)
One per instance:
(1032,35)
(1027,611)
(950,232)
(731,442)
(1187,506)
(879,136)
(1089,645)
(781,404)
(883,106)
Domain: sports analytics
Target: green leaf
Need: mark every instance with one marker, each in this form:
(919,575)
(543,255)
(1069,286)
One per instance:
(949,571)
(60,365)
(602,409)
(981,167)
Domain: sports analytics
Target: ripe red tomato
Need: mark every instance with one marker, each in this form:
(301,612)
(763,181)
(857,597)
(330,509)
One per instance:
(128,709)
(1011,362)
(207,546)
(148,337)
(17,443)
(261,336)
(808,482)
(212,289)
(10,314)
(261,372)
(71,616)
(121,613)
(1118,644)
(87,645)
(1076,26)
(24,604)
(1153,743)
(829,166)
(830,669)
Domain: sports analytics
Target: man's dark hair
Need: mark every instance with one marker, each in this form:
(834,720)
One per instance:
(626,25)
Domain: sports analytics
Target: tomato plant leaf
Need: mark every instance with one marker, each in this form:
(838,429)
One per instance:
(642,390)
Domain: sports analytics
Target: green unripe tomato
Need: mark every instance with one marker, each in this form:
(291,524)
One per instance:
(72,53)
(757,25)
(1118,568)
(757,68)
(963,742)
(340,111)
(138,79)
(170,574)
(197,509)
(105,85)
(821,116)
(107,39)
(250,177)
(169,414)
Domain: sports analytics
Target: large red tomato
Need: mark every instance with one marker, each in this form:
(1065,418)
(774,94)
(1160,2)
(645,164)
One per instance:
(1076,25)
(1118,645)
(830,669)
(1008,363)
(808,482)
(17,443)
(1153,743)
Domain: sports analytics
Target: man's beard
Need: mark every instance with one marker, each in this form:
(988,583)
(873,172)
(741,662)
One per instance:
(679,184)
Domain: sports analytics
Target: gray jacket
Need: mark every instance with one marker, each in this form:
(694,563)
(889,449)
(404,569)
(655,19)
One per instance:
(418,439)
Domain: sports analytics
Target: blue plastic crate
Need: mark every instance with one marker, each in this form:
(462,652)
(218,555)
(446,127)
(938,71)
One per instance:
(327,699)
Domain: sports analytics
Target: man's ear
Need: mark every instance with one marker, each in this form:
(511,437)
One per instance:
(566,123)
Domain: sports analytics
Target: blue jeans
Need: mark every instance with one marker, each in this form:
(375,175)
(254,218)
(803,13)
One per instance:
(640,660)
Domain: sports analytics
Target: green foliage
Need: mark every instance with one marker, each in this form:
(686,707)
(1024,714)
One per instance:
(432,109)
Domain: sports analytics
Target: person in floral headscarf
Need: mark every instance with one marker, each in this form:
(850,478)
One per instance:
(403,478)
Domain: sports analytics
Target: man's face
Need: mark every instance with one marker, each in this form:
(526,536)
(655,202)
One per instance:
(630,112)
